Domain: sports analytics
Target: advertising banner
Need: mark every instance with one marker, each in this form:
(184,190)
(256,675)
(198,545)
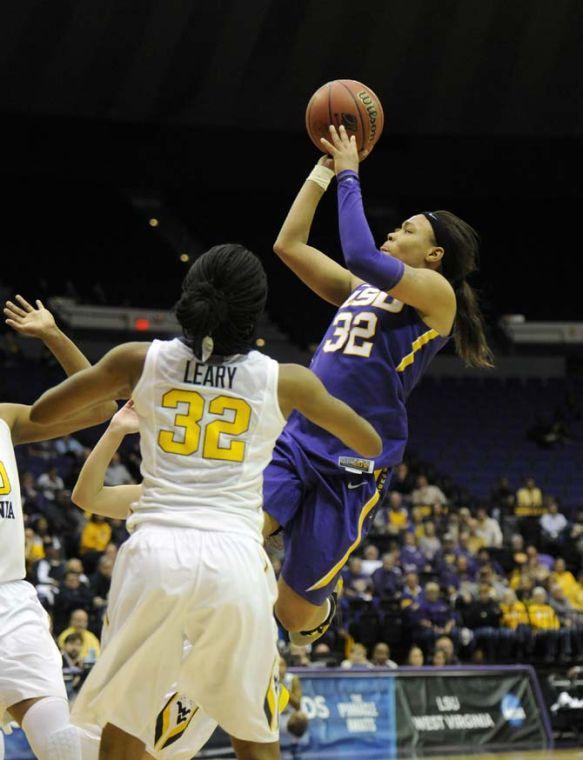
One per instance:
(443,711)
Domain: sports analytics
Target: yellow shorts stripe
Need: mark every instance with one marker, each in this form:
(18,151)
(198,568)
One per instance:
(421,341)
(330,575)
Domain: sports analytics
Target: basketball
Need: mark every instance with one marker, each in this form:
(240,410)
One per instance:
(347,102)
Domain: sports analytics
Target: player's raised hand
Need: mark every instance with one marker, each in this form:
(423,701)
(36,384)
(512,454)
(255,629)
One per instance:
(27,320)
(126,421)
(343,149)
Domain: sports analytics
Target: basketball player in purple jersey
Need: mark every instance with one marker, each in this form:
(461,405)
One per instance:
(398,307)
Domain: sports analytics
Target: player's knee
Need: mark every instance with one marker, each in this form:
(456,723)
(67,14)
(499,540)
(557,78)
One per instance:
(292,617)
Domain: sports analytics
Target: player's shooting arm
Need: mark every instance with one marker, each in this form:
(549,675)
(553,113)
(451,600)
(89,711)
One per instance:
(90,493)
(300,389)
(331,281)
(113,377)
(424,289)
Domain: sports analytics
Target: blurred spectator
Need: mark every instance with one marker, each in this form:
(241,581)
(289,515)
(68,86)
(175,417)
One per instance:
(371,561)
(48,572)
(562,606)
(388,579)
(482,616)
(96,535)
(69,445)
(545,625)
(436,616)
(446,645)
(72,663)
(33,546)
(72,596)
(429,543)
(503,496)
(357,585)
(32,498)
(117,474)
(402,481)
(488,529)
(100,582)
(394,520)
(567,582)
(529,500)
(322,656)
(49,483)
(78,623)
(439,659)
(426,494)
(74,565)
(415,657)
(412,560)
(577,533)
(412,591)
(357,659)
(553,526)
(475,541)
(381,656)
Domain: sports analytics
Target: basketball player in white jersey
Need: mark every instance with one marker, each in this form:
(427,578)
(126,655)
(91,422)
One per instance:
(194,569)
(32,691)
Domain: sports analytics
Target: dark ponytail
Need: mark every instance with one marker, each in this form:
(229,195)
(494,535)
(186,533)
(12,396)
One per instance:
(223,296)
(459,261)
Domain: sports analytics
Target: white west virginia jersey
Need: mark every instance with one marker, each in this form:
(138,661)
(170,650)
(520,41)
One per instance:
(12,566)
(207,433)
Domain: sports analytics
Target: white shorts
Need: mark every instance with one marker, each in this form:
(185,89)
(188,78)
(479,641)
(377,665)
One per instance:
(30,662)
(214,590)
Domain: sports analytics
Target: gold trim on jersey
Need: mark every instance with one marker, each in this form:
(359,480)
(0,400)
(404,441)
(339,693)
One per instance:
(370,504)
(166,734)
(416,345)
(271,702)
(5,487)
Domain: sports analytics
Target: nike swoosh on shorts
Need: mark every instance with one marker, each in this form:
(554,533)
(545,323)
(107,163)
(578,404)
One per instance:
(352,486)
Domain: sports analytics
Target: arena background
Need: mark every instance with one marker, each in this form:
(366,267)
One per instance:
(192,113)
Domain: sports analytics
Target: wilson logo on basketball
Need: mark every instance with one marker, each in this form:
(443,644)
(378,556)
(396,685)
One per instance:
(371,110)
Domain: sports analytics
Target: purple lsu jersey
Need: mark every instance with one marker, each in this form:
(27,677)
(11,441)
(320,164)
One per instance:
(372,356)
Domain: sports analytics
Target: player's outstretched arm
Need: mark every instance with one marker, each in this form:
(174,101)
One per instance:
(300,389)
(113,377)
(323,275)
(90,493)
(39,323)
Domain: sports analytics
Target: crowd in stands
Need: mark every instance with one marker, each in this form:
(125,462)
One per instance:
(439,583)
(436,582)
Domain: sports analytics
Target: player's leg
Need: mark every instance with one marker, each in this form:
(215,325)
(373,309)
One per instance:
(31,681)
(334,518)
(117,744)
(287,490)
(254,751)
(143,641)
(232,669)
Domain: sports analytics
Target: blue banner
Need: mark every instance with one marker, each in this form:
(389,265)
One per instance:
(351,716)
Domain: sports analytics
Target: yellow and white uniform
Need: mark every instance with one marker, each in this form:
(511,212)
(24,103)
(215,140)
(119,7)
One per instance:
(194,568)
(30,663)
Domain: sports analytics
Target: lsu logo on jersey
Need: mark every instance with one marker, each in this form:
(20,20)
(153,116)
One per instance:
(173,720)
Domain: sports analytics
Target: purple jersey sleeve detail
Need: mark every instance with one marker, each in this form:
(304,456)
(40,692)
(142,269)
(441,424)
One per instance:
(360,252)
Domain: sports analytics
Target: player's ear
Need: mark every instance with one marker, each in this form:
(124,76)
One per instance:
(435,255)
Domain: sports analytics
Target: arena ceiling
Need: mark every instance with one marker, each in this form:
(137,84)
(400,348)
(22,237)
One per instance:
(472,67)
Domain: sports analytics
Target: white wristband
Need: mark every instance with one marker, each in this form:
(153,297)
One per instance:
(321,175)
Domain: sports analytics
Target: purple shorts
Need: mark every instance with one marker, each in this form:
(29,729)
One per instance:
(324,516)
